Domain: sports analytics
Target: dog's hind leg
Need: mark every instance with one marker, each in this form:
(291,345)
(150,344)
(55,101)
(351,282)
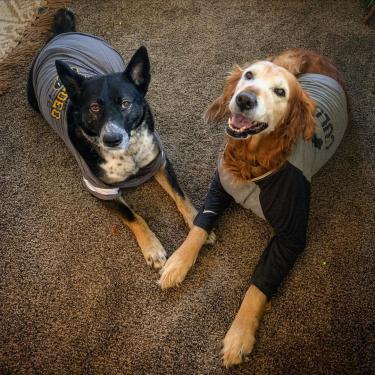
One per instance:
(151,247)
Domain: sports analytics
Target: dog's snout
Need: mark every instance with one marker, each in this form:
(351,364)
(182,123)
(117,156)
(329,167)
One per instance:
(246,100)
(112,139)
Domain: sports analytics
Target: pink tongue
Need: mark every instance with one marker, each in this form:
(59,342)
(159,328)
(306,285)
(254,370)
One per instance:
(239,121)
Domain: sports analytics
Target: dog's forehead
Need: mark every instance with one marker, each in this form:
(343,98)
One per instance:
(262,66)
(95,87)
(108,86)
(265,67)
(269,71)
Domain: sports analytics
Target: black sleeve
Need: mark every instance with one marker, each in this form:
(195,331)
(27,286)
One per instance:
(285,200)
(217,200)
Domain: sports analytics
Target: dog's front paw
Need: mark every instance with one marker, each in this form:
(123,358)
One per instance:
(154,253)
(211,238)
(237,345)
(174,271)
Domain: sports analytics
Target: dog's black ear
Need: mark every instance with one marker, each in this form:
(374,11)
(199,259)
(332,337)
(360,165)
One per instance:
(70,79)
(138,70)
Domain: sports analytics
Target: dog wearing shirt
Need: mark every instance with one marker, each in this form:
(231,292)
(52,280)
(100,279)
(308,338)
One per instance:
(96,104)
(286,118)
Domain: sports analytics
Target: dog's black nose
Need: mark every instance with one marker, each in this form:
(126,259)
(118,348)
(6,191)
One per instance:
(246,100)
(112,139)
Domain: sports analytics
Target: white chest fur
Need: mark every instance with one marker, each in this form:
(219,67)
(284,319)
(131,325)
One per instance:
(118,165)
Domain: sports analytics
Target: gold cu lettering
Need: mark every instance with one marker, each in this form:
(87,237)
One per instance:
(55,114)
(58,104)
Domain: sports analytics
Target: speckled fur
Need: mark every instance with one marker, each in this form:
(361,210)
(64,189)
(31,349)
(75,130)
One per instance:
(118,165)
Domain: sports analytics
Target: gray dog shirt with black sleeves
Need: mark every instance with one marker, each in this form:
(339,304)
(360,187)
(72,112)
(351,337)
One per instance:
(282,198)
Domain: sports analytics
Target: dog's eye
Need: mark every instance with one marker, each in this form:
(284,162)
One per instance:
(125,104)
(95,107)
(279,92)
(249,75)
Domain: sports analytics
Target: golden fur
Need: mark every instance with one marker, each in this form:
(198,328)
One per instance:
(252,157)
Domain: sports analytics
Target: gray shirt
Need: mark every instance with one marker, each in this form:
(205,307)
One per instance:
(89,56)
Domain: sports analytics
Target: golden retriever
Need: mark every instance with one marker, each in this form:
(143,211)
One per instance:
(286,117)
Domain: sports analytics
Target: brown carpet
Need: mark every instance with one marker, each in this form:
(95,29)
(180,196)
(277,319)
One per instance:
(78,298)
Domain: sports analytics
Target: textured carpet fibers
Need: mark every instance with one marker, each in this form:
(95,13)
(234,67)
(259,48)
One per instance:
(76,294)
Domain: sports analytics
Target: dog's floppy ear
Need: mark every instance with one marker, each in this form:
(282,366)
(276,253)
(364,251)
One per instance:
(70,79)
(218,109)
(302,114)
(138,70)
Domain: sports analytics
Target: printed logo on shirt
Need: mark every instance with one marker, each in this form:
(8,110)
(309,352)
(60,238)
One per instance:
(327,126)
(59,98)
(317,142)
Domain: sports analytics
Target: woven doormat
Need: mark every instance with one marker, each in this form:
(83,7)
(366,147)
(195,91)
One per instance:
(24,26)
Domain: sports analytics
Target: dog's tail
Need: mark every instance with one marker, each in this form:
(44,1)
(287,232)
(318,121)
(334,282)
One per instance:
(64,22)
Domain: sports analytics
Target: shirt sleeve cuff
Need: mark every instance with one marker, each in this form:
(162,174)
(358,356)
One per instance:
(205,220)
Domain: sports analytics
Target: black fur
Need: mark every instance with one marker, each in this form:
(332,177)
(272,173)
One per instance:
(108,92)
(89,153)
(31,98)
(171,176)
(64,21)
(120,207)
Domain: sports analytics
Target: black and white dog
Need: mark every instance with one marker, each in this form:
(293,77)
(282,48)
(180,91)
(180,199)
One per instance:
(97,105)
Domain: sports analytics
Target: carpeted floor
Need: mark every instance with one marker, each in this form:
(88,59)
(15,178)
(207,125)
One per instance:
(76,295)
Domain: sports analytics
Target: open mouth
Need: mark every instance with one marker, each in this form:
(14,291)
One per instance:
(240,126)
